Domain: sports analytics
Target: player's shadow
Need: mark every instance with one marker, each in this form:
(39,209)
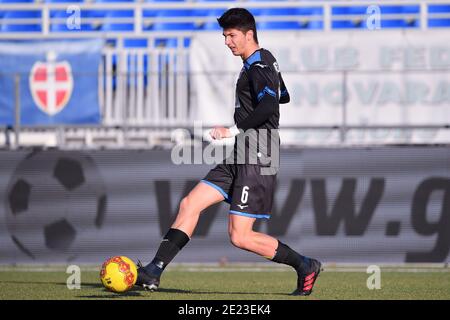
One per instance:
(108,294)
(169,290)
(133,292)
(138,291)
(112,295)
(240,293)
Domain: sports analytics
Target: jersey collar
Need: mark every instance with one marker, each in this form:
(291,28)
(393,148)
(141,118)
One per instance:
(254,57)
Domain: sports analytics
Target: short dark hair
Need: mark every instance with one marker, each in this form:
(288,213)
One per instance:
(239,18)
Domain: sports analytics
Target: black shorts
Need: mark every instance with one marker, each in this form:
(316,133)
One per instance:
(249,192)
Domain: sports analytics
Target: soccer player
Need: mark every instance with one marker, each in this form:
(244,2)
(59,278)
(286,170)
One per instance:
(259,91)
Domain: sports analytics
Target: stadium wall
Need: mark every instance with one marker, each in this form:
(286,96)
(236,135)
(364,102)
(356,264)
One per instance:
(349,205)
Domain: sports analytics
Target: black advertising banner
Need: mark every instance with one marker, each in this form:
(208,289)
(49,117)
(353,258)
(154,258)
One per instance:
(348,205)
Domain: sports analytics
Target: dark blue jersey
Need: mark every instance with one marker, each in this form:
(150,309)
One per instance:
(259,91)
(260,85)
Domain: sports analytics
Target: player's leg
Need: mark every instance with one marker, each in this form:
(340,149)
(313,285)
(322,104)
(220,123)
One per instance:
(242,236)
(240,230)
(200,198)
(211,190)
(252,199)
(241,233)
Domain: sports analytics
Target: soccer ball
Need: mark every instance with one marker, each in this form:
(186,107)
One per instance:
(118,274)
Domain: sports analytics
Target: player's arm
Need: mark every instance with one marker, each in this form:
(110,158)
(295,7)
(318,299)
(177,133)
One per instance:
(265,88)
(261,79)
(264,110)
(284,93)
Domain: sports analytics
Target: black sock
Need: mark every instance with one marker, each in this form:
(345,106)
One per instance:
(284,254)
(172,243)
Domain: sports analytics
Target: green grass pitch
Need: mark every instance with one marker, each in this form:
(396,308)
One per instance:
(230,282)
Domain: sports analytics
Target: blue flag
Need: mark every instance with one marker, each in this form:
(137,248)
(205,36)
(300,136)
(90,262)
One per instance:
(58,81)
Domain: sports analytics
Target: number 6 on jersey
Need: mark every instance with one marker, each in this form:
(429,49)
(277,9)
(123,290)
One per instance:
(244,196)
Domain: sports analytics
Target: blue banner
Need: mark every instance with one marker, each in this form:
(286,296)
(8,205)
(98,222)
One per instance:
(58,81)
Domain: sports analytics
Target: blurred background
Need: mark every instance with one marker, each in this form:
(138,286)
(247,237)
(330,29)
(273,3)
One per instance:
(95,95)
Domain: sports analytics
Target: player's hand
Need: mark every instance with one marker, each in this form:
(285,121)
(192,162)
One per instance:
(220,133)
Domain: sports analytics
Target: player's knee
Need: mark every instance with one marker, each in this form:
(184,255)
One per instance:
(238,240)
(185,205)
(187,208)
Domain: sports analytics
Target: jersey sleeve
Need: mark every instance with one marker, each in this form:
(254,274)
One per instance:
(264,86)
(263,81)
(284,93)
